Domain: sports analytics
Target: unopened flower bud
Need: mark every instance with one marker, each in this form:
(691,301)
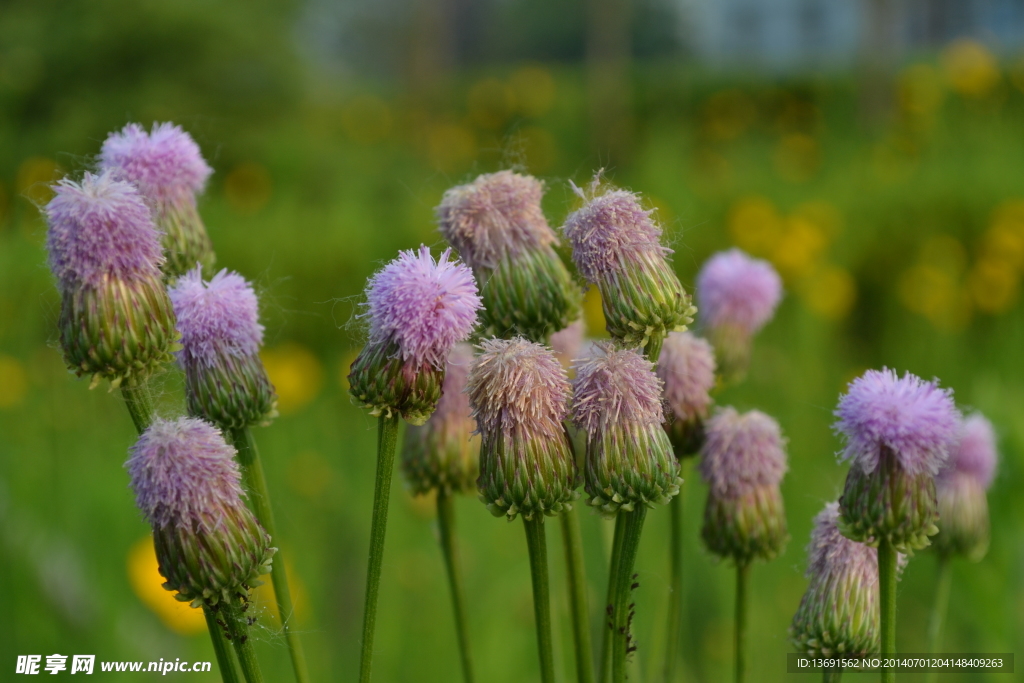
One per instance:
(116,322)
(497,224)
(209,546)
(616,245)
(743,462)
(687,367)
(961,487)
(418,309)
(899,433)
(225,381)
(169,170)
(519,394)
(617,406)
(737,296)
(443,454)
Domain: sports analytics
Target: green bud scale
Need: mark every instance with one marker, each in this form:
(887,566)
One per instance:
(629,465)
(234,392)
(746,527)
(381,381)
(645,299)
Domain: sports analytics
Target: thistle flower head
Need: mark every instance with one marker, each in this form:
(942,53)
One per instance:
(162,163)
(98,228)
(216,317)
(616,387)
(742,452)
(184,474)
(687,367)
(496,216)
(738,291)
(829,552)
(915,419)
(610,231)
(976,455)
(423,306)
(518,386)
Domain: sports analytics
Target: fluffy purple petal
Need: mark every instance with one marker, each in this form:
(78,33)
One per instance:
(162,163)
(742,452)
(734,289)
(976,454)
(687,367)
(215,317)
(616,387)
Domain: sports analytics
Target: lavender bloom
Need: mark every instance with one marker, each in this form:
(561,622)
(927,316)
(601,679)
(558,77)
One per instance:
(225,381)
(187,485)
(960,489)
(497,224)
(168,168)
(518,393)
(116,321)
(737,296)
(417,309)
(899,433)
(443,453)
(838,614)
(617,404)
(617,246)
(568,342)
(687,367)
(744,460)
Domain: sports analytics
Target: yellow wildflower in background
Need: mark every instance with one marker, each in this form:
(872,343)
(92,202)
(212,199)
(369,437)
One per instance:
(994,285)
(799,248)
(970,68)
(755,225)
(830,291)
(146,581)
(593,312)
(936,294)
(14,381)
(534,89)
(296,374)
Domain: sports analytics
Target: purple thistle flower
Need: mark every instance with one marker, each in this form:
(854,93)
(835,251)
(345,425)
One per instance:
(742,452)
(184,475)
(687,367)
(616,388)
(736,290)
(496,216)
(915,419)
(163,164)
(100,228)
(829,552)
(976,455)
(216,317)
(423,307)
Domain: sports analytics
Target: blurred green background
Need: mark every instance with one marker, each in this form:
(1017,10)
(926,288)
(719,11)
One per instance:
(885,186)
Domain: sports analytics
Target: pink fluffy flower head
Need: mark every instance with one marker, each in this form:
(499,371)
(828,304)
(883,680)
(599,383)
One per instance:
(687,367)
(616,387)
(610,231)
(184,474)
(164,163)
(423,306)
(734,289)
(915,419)
(495,216)
(100,227)
(830,553)
(215,317)
(976,455)
(742,452)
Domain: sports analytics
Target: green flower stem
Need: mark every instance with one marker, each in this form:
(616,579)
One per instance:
(622,617)
(887,603)
(537,544)
(832,675)
(225,660)
(446,525)
(742,581)
(606,618)
(675,598)
(652,349)
(577,580)
(945,581)
(238,629)
(387,434)
(139,402)
(259,496)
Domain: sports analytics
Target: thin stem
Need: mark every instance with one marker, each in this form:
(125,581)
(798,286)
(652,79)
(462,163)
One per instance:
(387,434)
(238,629)
(606,618)
(225,659)
(259,496)
(622,618)
(742,576)
(675,597)
(140,404)
(577,581)
(832,675)
(887,603)
(537,544)
(945,581)
(446,524)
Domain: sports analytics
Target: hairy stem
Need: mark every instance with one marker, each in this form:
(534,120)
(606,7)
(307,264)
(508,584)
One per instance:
(887,603)
(446,525)
(226,661)
(606,618)
(577,582)
(139,402)
(537,545)
(238,629)
(622,617)
(675,598)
